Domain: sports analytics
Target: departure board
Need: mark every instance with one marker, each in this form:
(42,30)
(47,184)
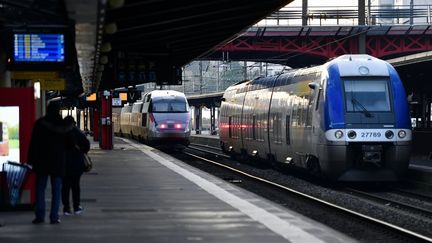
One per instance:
(39,48)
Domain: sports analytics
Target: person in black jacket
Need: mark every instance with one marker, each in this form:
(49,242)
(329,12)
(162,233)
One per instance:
(47,156)
(76,145)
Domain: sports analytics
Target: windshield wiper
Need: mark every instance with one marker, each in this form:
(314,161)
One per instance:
(366,112)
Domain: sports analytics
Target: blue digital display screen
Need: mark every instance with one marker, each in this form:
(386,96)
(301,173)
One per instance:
(39,48)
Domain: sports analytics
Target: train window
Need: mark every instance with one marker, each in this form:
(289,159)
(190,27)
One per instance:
(318,99)
(230,125)
(126,109)
(294,120)
(260,125)
(367,95)
(144,119)
(277,127)
(169,105)
(288,139)
(136,107)
(254,127)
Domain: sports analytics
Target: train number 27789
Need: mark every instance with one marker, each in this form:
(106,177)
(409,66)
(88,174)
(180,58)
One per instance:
(370,134)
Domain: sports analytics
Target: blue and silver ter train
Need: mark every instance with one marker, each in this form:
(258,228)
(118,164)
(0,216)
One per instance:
(346,120)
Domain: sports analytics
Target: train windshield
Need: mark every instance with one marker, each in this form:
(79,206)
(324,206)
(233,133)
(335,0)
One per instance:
(169,105)
(367,95)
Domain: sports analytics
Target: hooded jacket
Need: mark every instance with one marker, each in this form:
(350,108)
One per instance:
(47,145)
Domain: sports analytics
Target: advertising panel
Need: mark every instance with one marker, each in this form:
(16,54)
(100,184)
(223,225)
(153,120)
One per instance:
(9,137)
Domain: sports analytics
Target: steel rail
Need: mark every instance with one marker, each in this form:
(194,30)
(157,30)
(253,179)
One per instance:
(408,233)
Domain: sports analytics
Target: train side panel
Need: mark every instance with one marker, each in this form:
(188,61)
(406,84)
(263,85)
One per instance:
(230,132)
(255,118)
(294,115)
(125,115)
(135,120)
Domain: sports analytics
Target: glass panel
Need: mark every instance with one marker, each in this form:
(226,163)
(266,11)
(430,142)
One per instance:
(169,105)
(372,95)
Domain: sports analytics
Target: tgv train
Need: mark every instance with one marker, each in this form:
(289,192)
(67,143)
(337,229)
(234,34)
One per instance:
(346,120)
(162,117)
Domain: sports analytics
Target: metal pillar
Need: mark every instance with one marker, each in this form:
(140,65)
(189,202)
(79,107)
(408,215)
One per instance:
(361,22)
(96,125)
(198,119)
(106,130)
(304,12)
(86,117)
(78,117)
(213,120)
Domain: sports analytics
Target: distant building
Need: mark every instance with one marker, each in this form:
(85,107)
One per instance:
(401,12)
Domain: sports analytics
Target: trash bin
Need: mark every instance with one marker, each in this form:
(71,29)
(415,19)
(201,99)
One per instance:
(16,173)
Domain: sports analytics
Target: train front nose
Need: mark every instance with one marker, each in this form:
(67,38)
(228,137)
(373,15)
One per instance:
(171,130)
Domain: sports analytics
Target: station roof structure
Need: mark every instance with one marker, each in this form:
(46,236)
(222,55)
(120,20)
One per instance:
(135,35)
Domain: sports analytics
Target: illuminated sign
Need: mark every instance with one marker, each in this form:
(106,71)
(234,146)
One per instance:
(39,48)
(123,96)
(51,84)
(91,97)
(116,102)
(34,75)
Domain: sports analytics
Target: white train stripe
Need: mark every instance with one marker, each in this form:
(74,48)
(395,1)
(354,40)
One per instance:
(281,227)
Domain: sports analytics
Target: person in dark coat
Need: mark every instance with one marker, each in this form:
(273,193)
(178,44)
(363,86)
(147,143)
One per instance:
(76,145)
(47,156)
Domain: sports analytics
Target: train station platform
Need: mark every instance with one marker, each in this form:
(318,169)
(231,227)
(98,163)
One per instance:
(138,194)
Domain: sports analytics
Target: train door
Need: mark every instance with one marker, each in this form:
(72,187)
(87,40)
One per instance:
(145,116)
(136,119)
(316,114)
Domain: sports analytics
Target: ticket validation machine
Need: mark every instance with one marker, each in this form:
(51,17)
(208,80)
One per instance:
(106,129)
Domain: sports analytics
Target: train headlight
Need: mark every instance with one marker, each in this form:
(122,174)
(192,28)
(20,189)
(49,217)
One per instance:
(352,134)
(389,134)
(338,134)
(402,134)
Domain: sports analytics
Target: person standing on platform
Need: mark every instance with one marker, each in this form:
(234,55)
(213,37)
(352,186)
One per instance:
(76,145)
(47,156)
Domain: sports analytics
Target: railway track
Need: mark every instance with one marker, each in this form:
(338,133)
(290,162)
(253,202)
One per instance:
(396,232)
(398,204)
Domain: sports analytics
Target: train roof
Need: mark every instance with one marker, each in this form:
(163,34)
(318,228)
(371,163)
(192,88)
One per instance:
(360,65)
(161,93)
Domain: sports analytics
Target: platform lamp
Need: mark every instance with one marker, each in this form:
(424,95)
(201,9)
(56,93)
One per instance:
(110,28)
(116,3)
(103,60)
(101,68)
(106,47)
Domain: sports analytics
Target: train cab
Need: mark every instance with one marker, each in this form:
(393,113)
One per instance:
(166,117)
